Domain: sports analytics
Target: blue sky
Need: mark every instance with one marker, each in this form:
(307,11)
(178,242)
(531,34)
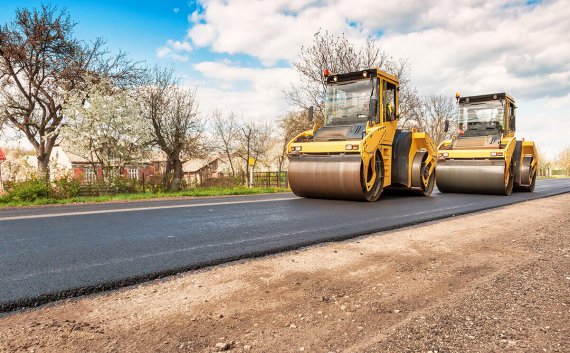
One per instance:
(239,52)
(138,27)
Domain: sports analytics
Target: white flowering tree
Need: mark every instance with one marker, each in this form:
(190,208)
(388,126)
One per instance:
(40,60)
(106,128)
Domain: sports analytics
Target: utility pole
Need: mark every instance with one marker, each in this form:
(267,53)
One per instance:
(251,163)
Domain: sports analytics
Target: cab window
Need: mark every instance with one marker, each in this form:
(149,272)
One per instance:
(389,101)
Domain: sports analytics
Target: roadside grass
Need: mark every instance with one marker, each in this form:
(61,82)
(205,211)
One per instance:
(196,192)
(554,177)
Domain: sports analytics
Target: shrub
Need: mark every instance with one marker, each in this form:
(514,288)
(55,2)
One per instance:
(29,190)
(152,184)
(226,182)
(66,187)
(122,185)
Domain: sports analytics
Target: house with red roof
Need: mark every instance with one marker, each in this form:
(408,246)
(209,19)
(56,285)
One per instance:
(195,171)
(64,159)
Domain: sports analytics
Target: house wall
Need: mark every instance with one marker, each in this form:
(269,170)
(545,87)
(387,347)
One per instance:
(77,173)
(151,170)
(60,159)
(193,178)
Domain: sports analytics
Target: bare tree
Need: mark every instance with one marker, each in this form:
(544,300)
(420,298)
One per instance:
(410,103)
(564,159)
(40,60)
(174,123)
(339,55)
(433,112)
(543,162)
(226,132)
(292,124)
(254,142)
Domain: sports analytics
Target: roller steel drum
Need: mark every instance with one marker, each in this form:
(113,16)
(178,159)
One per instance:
(328,177)
(471,176)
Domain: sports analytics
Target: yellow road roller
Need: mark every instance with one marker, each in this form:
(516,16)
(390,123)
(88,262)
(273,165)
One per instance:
(357,151)
(483,156)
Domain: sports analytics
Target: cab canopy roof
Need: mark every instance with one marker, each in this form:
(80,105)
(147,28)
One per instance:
(485,97)
(359,75)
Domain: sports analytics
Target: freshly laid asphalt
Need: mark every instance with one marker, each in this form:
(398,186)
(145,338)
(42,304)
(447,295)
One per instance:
(50,253)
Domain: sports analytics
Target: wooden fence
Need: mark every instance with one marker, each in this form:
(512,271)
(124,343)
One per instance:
(260,180)
(270,179)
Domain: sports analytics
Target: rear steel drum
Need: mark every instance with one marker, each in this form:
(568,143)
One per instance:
(472,176)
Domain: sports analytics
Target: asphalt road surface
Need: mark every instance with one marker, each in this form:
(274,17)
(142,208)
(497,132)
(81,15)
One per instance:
(49,253)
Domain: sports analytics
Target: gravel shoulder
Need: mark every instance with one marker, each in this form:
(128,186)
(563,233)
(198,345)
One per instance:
(487,282)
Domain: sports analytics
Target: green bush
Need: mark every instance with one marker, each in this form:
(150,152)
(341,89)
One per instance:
(152,184)
(122,185)
(29,190)
(226,182)
(66,187)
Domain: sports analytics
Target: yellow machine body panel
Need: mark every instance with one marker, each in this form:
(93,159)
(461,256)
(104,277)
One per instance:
(361,152)
(484,156)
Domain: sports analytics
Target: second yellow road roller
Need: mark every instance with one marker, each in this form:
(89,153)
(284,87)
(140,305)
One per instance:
(358,152)
(483,156)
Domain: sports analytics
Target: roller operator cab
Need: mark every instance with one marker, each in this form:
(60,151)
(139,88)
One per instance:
(358,152)
(483,156)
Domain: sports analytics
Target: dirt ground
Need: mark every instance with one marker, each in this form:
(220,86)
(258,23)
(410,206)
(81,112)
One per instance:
(488,282)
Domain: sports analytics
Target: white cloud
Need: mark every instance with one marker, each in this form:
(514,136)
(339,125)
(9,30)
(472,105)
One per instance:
(519,49)
(203,35)
(174,50)
(262,99)
(179,45)
(268,30)
(162,52)
(546,122)
(473,46)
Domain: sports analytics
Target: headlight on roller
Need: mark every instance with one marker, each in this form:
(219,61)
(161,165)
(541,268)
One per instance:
(351,147)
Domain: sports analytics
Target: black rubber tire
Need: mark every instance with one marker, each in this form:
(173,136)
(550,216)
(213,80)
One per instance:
(428,189)
(378,187)
(510,185)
